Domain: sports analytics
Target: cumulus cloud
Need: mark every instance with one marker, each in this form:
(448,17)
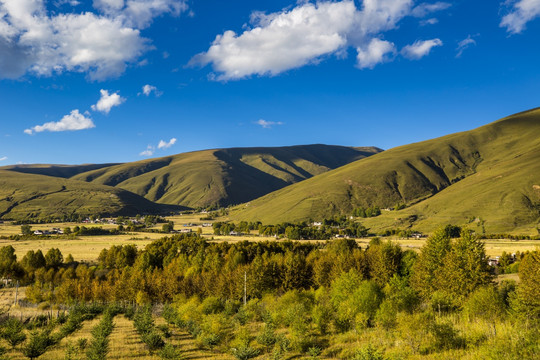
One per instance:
(149,89)
(377,51)
(464,45)
(149,151)
(420,48)
(72,122)
(3,158)
(165,145)
(308,33)
(40,42)
(140,13)
(304,34)
(107,102)
(425,9)
(521,13)
(267,124)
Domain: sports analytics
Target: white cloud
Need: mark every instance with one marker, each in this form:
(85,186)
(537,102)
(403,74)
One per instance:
(267,124)
(35,40)
(140,13)
(375,52)
(59,3)
(3,158)
(305,34)
(420,48)
(72,122)
(522,12)
(281,41)
(165,145)
(430,21)
(425,9)
(107,102)
(464,45)
(149,151)
(149,89)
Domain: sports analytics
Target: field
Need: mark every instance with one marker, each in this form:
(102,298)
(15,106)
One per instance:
(87,248)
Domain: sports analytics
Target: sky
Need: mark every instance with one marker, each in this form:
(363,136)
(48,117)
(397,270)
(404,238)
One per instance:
(123,80)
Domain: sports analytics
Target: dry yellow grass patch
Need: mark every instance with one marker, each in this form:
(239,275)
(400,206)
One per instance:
(187,345)
(125,342)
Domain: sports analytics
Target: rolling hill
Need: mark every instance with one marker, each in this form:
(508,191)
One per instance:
(489,176)
(63,171)
(31,196)
(224,176)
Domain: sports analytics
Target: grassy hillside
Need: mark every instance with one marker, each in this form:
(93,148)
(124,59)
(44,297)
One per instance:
(30,196)
(224,176)
(489,176)
(63,171)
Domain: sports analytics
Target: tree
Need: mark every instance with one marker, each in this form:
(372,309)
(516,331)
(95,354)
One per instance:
(54,258)
(168,227)
(33,260)
(429,261)
(384,261)
(8,261)
(12,332)
(26,229)
(38,344)
(527,299)
(465,268)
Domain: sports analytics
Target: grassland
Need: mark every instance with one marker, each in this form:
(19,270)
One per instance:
(30,196)
(225,176)
(490,175)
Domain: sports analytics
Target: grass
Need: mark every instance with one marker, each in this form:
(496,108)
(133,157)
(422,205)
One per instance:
(30,196)
(226,176)
(489,174)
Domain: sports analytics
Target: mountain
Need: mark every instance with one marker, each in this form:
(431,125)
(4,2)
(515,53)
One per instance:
(32,196)
(63,171)
(488,177)
(223,177)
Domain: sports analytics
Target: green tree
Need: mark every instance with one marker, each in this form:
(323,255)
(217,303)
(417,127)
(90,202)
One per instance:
(13,332)
(8,261)
(37,345)
(465,268)
(527,297)
(54,258)
(26,229)
(168,227)
(33,260)
(429,261)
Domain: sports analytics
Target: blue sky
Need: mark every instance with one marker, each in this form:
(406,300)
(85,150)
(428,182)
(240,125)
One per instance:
(115,81)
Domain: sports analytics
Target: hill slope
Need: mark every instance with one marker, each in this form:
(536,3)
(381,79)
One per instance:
(30,196)
(491,173)
(63,171)
(224,176)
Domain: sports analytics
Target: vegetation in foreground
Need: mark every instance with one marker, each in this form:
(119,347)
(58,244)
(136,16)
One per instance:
(283,299)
